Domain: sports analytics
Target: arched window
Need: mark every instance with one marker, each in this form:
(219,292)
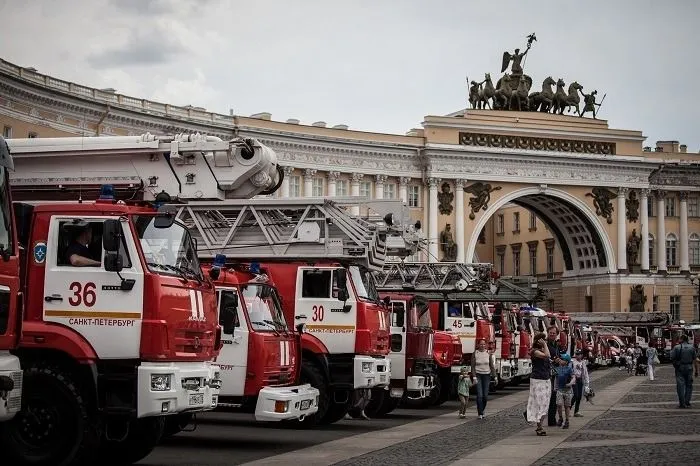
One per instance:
(694,249)
(671,242)
(652,256)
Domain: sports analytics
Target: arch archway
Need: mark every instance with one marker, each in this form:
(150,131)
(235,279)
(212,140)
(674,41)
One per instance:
(586,247)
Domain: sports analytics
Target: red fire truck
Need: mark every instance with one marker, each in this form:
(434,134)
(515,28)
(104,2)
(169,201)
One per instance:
(112,344)
(319,258)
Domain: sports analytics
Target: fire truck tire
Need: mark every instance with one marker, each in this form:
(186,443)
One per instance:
(55,427)
(335,412)
(311,374)
(378,406)
(144,434)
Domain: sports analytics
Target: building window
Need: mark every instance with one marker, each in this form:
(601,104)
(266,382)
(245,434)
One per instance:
(516,222)
(693,207)
(500,225)
(32,135)
(317,187)
(670,203)
(671,249)
(366,189)
(414,196)
(295,186)
(675,308)
(550,262)
(533,222)
(341,188)
(588,304)
(655,304)
(533,263)
(652,256)
(501,263)
(516,263)
(696,311)
(694,249)
(650,206)
(389,191)
(7,132)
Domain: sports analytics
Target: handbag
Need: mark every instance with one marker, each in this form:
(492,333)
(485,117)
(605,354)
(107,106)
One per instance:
(656,359)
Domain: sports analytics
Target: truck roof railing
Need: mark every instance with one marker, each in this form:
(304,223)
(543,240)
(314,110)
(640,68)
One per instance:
(295,229)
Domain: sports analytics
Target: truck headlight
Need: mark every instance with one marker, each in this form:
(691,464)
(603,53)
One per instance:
(160,382)
(366,367)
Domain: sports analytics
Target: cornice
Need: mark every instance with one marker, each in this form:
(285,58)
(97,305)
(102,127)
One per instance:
(462,124)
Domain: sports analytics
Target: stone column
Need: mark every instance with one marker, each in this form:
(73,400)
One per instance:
(309,174)
(661,231)
(621,230)
(284,191)
(403,189)
(459,220)
(379,186)
(332,178)
(685,261)
(434,246)
(355,191)
(644,221)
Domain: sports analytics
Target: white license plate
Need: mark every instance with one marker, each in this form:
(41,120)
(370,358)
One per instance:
(196,399)
(305,404)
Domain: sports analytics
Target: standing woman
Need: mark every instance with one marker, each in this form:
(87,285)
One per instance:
(540,383)
(652,360)
(482,368)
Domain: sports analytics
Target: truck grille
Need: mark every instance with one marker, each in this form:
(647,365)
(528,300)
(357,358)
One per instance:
(14,403)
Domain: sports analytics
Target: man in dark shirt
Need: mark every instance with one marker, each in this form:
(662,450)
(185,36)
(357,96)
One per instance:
(78,254)
(554,352)
(682,356)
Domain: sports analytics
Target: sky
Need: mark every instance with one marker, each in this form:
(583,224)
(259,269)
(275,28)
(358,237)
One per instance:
(375,65)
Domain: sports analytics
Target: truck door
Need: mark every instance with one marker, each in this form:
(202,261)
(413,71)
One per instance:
(327,318)
(398,339)
(87,298)
(10,311)
(460,320)
(233,358)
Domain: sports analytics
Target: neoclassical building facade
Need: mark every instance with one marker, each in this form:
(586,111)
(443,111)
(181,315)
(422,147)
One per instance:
(585,208)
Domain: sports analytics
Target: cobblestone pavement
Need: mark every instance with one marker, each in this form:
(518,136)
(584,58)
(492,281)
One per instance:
(448,445)
(645,428)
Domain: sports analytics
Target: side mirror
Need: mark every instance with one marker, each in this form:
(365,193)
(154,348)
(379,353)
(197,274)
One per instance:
(214,273)
(111,234)
(229,319)
(387,301)
(342,283)
(113,262)
(6,384)
(301,328)
(164,221)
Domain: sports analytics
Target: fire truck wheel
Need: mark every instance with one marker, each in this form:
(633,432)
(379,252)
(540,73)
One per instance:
(144,434)
(376,406)
(311,374)
(336,412)
(55,426)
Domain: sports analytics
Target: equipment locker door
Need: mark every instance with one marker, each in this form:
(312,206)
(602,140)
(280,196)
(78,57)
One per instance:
(233,357)
(90,299)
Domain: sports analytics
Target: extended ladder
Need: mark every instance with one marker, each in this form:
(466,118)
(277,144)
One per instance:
(450,280)
(623,319)
(286,230)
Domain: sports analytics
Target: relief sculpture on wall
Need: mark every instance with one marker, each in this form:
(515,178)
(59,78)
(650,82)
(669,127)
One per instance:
(445,199)
(481,195)
(602,202)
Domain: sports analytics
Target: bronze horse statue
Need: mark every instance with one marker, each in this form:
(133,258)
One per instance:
(560,98)
(519,99)
(573,99)
(542,101)
(487,94)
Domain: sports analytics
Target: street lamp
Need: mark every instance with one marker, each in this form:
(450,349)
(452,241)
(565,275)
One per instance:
(695,280)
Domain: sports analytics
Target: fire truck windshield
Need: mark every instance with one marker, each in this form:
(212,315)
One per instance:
(168,251)
(263,307)
(364,283)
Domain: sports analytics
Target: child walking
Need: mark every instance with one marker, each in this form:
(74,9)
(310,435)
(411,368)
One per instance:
(565,382)
(463,392)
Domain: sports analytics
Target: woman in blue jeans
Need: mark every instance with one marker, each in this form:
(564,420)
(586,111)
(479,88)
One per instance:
(482,368)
